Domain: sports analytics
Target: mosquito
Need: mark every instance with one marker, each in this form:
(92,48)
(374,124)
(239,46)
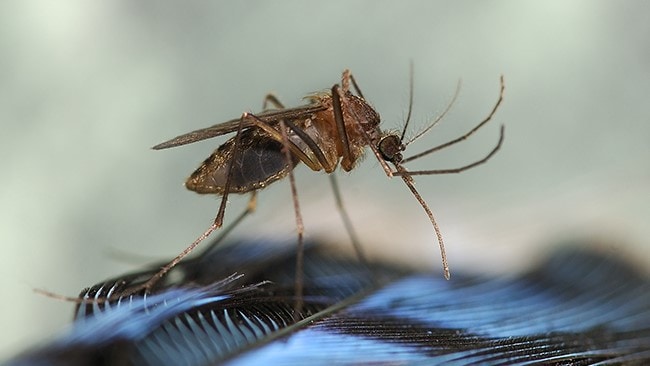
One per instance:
(332,129)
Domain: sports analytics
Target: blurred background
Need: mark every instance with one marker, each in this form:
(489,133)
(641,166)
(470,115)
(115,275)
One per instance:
(87,88)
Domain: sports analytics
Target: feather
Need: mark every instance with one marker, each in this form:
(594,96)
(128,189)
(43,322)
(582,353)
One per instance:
(235,306)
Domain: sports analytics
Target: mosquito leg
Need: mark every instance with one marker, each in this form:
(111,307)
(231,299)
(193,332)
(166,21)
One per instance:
(298,290)
(465,136)
(354,83)
(218,222)
(166,268)
(335,188)
(277,136)
(340,125)
(409,183)
(463,168)
(272,99)
(347,222)
(313,146)
(337,101)
(250,208)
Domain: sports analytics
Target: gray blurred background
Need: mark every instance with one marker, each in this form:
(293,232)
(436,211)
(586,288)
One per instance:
(87,87)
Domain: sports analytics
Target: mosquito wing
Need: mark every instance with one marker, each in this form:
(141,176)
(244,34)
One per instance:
(271,117)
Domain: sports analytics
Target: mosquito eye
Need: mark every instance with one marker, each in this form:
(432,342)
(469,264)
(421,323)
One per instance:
(390,148)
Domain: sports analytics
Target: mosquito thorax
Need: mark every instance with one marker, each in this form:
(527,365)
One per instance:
(390,146)
(362,111)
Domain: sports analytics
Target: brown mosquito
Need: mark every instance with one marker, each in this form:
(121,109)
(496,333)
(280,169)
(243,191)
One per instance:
(333,129)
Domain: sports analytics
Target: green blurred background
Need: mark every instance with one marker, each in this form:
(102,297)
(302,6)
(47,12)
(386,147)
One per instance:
(87,87)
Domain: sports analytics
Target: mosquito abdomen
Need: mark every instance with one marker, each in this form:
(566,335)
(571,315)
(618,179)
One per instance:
(258,162)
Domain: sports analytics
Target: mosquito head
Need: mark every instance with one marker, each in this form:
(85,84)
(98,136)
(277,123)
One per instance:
(390,147)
